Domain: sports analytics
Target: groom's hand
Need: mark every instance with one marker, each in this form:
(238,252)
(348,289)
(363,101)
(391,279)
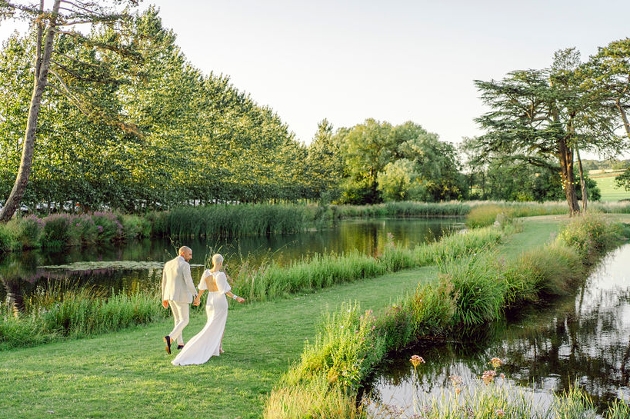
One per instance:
(165,303)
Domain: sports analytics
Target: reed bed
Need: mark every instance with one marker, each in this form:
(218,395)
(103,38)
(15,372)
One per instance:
(469,293)
(63,230)
(59,231)
(64,312)
(320,271)
(231,220)
(401,209)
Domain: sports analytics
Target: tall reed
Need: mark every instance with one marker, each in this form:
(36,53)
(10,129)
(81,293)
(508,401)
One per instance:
(478,291)
(401,209)
(230,220)
(61,312)
(314,399)
(320,271)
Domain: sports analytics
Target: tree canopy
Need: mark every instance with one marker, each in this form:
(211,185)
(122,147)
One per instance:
(102,110)
(545,117)
(137,126)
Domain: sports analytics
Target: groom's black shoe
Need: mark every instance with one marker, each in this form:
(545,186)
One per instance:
(179,347)
(167,340)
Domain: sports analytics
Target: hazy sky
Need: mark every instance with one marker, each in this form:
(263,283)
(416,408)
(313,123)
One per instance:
(392,60)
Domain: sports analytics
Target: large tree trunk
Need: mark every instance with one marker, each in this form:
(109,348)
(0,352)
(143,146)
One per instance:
(582,181)
(42,65)
(624,116)
(566,166)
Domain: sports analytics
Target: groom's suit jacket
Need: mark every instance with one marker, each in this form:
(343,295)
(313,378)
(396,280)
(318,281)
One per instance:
(177,283)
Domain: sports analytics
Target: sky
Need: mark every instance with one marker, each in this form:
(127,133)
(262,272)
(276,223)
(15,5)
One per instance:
(393,61)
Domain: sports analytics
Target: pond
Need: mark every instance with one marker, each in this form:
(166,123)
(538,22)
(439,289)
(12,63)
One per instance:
(138,264)
(583,339)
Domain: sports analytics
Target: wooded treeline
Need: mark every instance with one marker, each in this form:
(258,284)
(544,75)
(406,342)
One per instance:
(127,123)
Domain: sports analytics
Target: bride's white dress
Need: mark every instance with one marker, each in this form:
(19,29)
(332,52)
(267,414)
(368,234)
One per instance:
(207,342)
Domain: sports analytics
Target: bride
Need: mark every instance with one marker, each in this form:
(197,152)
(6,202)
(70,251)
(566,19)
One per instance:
(207,343)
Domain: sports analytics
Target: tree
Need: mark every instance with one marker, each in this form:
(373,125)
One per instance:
(538,116)
(398,182)
(61,18)
(436,169)
(607,74)
(367,148)
(403,162)
(324,164)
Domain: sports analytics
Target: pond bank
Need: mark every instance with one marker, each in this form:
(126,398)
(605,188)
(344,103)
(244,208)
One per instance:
(471,292)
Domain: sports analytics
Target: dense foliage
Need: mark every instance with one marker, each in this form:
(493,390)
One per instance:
(127,123)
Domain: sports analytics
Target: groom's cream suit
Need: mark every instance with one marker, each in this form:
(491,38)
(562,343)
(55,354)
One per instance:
(179,290)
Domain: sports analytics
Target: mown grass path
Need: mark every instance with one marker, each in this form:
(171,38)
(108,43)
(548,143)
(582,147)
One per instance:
(129,375)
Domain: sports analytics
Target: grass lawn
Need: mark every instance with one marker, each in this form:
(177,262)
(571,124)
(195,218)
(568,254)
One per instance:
(129,375)
(606,183)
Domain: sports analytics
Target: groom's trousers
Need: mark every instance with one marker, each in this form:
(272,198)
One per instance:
(181,316)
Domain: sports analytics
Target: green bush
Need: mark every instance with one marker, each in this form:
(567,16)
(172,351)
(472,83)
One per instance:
(432,309)
(135,227)
(477,289)
(83,230)
(552,270)
(109,227)
(8,241)
(56,233)
(28,231)
(345,350)
(591,235)
(396,327)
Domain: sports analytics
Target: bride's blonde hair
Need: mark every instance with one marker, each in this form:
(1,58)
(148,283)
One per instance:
(216,259)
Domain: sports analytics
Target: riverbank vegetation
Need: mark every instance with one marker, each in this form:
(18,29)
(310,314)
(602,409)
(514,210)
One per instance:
(469,292)
(63,312)
(319,271)
(58,231)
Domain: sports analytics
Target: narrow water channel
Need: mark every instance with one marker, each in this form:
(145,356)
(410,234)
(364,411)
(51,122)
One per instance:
(583,339)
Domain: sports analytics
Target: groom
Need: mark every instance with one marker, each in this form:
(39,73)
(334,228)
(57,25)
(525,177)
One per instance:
(178,291)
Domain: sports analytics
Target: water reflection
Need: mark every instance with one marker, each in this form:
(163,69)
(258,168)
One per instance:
(583,339)
(22,273)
